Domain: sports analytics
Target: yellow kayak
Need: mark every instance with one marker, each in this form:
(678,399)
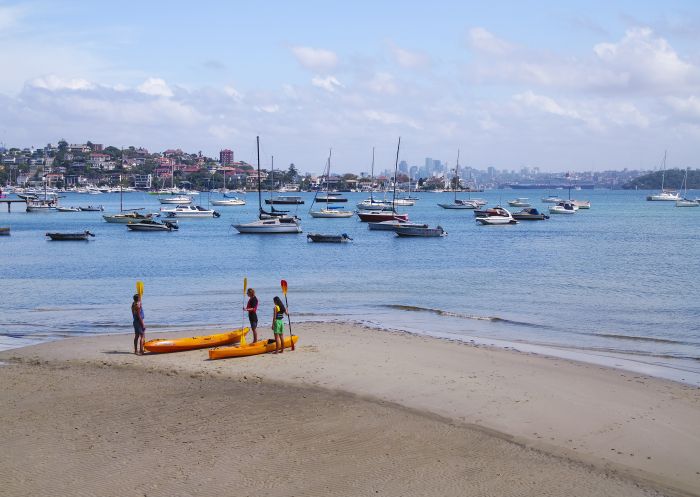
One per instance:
(259,347)
(160,345)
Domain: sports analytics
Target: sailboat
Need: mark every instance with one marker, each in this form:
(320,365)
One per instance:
(385,215)
(228,201)
(664,195)
(267,223)
(125,217)
(685,201)
(281,199)
(460,203)
(370,204)
(328,211)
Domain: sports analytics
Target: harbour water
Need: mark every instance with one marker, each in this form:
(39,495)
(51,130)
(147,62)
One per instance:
(619,280)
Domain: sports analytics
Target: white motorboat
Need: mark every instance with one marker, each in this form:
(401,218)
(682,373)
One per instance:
(582,204)
(495,216)
(267,222)
(177,200)
(552,199)
(563,208)
(404,202)
(67,209)
(228,202)
(461,204)
(374,205)
(519,202)
(152,225)
(392,224)
(195,211)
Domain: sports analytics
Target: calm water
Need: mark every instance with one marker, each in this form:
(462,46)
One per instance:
(619,280)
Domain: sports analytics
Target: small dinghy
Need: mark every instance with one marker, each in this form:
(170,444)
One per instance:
(70,236)
(320,238)
(92,208)
(419,231)
(151,225)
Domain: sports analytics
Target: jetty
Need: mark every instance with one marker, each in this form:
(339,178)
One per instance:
(10,201)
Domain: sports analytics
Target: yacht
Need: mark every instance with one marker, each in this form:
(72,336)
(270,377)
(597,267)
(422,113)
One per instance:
(495,216)
(565,207)
(177,200)
(189,211)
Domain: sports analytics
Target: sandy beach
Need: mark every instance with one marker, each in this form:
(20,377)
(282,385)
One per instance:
(353,411)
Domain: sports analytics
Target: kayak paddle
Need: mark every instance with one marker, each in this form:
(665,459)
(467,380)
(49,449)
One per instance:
(245,289)
(283,283)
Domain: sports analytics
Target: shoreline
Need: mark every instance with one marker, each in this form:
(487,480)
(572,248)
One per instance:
(637,426)
(617,360)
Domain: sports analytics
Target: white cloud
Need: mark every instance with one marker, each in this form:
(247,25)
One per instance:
(269,108)
(409,59)
(156,87)
(315,59)
(233,93)
(385,117)
(383,82)
(485,41)
(329,83)
(53,83)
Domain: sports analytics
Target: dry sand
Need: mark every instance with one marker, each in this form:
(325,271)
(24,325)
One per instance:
(352,411)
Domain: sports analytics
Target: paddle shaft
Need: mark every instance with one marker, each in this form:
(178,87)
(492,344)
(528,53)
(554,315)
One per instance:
(289,321)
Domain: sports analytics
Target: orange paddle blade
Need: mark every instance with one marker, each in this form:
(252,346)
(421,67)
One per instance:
(284,286)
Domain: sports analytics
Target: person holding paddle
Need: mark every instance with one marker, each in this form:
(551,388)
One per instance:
(278,324)
(252,308)
(139,325)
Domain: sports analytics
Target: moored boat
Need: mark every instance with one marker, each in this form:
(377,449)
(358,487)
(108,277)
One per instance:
(85,235)
(392,224)
(126,217)
(228,202)
(189,211)
(92,208)
(4,231)
(495,216)
(284,200)
(423,231)
(152,225)
(177,200)
(322,238)
(68,209)
(519,202)
(564,207)
(529,214)
(552,199)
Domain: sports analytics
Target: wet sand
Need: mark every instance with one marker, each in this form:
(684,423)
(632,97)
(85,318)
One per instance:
(352,411)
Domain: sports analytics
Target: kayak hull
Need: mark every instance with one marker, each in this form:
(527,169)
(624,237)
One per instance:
(164,345)
(255,348)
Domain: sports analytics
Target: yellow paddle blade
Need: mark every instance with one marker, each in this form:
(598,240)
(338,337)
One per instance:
(139,288)
(245,285)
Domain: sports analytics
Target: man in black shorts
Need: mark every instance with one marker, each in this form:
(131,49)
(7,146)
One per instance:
(252,309)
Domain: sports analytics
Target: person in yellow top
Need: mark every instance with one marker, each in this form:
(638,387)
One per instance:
(278,324)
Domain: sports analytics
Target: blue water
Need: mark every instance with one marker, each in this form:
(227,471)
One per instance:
(620,278)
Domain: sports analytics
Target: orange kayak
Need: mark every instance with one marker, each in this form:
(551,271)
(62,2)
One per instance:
(160,345)
(255,348)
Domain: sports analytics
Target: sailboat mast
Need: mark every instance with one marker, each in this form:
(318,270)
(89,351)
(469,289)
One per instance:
(259,192)
(663,172)
(371,186)
(457,176)
(396,169)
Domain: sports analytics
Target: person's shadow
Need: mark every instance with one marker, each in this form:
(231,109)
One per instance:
(117,352)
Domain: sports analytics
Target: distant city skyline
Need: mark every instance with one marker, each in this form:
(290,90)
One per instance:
(577,86)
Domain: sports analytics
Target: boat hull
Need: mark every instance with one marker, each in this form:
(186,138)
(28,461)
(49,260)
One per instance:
(378,216)
(255,348)
(422,232)
(331,214)
(70,237)
(164,345)
(268,227)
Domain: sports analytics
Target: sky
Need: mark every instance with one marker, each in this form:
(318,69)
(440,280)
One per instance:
(563,86)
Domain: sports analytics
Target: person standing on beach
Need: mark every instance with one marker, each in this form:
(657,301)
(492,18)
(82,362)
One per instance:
(139,325)
(278,324)
(252,308)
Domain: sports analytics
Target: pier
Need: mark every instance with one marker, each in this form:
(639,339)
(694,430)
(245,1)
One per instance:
(10,201)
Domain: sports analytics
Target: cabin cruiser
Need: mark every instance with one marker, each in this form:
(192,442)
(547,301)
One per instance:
(495,216)
(519,202)
(529,214)
(565,207)
(189,211)
(228,202)
(177,200)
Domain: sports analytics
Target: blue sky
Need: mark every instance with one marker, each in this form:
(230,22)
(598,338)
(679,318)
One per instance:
(559,85)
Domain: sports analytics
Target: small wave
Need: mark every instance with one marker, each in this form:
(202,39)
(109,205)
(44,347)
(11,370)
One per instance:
(442,312)
(640,339)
